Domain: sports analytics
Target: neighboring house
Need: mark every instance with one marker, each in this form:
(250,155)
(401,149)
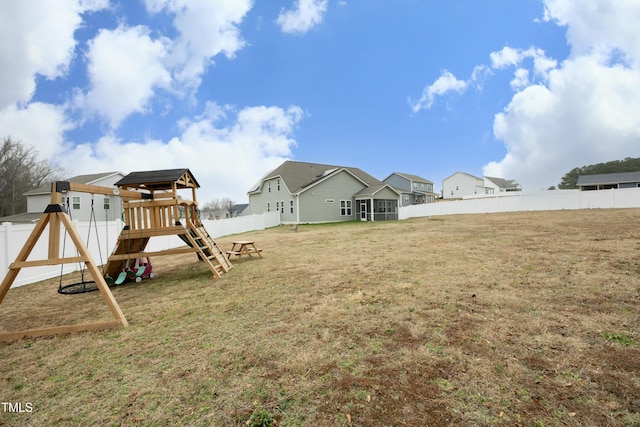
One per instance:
(314,193)
(233,212)
(415,190)
(609,180)
(499,185)
(106,208)
(462,184)
(241,209)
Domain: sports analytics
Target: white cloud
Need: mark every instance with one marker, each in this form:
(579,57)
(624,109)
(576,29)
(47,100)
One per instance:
(36,40)
(125,67)
(206,28)
(447,82)
(227,150)
(598,25)
(586,110)
(305,15)
(510,57)
(47,137)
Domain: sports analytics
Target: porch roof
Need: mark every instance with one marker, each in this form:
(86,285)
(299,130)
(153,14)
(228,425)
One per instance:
(371,191)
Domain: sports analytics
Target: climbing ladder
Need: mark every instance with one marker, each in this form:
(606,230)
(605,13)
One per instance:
(207,249)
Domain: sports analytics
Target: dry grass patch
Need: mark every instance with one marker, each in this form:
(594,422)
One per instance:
(504,319)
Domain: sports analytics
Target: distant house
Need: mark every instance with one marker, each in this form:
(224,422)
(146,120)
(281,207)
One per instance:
(314,193)
(232,212)
(106,208)
(462,184)
(499,185)
(609,180)
(415,190)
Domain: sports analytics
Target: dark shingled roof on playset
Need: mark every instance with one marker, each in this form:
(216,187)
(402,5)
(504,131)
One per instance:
(159,179)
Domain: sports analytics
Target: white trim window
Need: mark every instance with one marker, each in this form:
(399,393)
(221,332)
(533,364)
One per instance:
(106,203)
(345,208)
(75,201)
(281,206)
(291,205)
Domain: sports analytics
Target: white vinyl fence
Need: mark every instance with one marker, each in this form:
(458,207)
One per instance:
(525,201)
(100,239)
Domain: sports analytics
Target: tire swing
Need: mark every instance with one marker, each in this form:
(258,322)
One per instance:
(83,285)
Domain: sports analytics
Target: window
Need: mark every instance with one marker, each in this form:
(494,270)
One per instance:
(406,199)
(269,186)
(345,207)
(277,206)
(106,203)
(282,206)
(268,207)
(278,184)
(291,205)
(76,202)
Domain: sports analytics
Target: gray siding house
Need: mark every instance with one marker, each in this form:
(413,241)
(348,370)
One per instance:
(607,181)
(106,208)
(499,185)
(415,189)
(315,193)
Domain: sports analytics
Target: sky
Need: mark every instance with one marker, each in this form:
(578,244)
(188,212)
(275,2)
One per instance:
(524,90)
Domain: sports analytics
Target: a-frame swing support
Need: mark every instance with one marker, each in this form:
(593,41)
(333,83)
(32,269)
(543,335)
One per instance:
(55,216)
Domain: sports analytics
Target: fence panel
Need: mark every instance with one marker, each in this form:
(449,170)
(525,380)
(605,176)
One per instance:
(100,239)
(534,201)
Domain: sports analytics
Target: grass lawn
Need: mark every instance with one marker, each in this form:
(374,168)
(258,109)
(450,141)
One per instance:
(528,319)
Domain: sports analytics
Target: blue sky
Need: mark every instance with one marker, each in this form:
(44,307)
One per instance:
(523,90)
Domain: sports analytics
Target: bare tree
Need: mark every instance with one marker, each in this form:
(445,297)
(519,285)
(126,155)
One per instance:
(216,204)
(21,171)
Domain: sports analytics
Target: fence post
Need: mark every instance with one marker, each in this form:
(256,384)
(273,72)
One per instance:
(6,231)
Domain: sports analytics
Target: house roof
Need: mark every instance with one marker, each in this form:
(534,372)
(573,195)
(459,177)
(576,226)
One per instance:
(371,190)
(80,179)
(298,176)
(503,183)
(410,177)
(609,178)
(29,217)
(239,207)
(463,173)
(159,179)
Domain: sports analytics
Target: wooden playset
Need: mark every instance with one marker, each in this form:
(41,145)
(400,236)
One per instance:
(152,208)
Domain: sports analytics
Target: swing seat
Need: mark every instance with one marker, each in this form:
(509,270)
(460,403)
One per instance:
(121,278)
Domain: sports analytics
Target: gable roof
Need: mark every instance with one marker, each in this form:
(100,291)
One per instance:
(609,178)
(503,183)
(372,190)
(299,176)
(80,179)
(24,218)
(159,179)
(462,173)
(410,177)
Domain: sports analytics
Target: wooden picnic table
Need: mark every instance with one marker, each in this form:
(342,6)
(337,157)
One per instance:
(244,247)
